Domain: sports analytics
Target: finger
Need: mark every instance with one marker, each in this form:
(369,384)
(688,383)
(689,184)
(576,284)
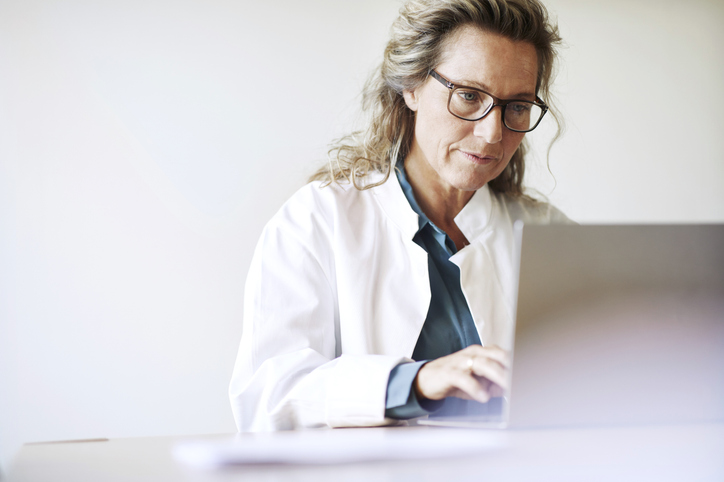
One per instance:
(496,391)
(472,387)
(493,352)
(492,389)
(491,370)
(460,394)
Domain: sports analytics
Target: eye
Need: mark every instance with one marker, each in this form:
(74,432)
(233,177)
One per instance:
(468,95)
(519,108)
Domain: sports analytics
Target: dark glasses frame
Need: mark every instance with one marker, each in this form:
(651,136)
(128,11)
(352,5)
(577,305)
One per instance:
(496,102)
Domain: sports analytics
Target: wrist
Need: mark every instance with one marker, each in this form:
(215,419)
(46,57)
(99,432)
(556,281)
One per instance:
(416,385)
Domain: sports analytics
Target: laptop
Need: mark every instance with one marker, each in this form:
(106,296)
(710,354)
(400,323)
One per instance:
(615,325)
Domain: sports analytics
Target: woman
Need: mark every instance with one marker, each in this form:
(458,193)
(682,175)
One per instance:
(387,283)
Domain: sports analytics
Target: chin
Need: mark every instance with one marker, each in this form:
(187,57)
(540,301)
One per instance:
(470,185)
(482,180)
(473,182)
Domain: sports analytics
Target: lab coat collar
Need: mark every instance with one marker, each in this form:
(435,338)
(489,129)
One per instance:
(475,219)
(394,203)
(477,222)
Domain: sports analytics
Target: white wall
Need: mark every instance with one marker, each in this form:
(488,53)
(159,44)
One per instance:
(641,87)
(144,144)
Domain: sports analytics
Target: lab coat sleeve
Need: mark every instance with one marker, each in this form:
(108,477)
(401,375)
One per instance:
(289,372)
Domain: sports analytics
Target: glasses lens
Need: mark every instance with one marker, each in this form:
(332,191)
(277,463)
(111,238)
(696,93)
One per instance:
(522,116)
(472,104)
(469,104)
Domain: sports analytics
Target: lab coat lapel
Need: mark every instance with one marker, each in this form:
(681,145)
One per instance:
(413,299)
(486,268)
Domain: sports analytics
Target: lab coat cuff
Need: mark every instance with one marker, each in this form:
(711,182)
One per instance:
(357,390)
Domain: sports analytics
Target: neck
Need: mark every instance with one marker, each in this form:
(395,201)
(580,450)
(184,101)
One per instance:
(440,201)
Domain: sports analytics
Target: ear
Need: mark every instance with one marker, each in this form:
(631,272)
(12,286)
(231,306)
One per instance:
(411,99)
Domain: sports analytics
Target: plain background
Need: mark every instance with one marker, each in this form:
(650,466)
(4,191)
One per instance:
(144,144)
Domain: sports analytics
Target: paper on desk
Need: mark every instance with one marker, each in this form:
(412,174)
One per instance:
(337,446)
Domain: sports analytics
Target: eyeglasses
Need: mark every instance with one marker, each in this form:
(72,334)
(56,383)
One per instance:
(471,104)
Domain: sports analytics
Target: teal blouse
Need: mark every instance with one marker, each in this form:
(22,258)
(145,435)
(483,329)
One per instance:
(448,327)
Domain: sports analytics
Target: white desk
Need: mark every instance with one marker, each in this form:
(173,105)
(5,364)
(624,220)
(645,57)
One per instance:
(681,453)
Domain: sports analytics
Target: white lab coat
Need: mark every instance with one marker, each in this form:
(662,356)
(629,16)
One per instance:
(337,294)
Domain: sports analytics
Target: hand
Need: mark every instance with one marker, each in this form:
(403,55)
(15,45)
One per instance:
(473,373)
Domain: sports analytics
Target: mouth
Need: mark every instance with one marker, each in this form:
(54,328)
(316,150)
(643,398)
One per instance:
(479,159)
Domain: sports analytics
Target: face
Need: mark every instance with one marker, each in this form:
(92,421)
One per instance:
(455,154)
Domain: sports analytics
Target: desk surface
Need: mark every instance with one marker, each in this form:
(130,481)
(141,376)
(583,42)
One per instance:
(683,452)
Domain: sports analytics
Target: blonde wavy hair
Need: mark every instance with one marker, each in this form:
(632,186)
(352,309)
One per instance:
(417,42)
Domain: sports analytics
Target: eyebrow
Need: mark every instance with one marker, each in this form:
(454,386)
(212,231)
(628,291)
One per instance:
(478,85)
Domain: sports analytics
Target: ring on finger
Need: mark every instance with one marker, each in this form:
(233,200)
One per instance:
(471,362)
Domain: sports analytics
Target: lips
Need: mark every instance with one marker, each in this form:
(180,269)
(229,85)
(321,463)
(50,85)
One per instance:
(479,158)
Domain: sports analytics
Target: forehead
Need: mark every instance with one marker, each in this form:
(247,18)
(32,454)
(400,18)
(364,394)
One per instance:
(503,67)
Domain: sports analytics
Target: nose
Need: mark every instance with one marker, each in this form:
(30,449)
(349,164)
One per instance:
(491,126)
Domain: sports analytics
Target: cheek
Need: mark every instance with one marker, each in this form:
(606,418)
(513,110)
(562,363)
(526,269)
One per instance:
(430,134)
(511,142)
(436,129)
(445,133)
